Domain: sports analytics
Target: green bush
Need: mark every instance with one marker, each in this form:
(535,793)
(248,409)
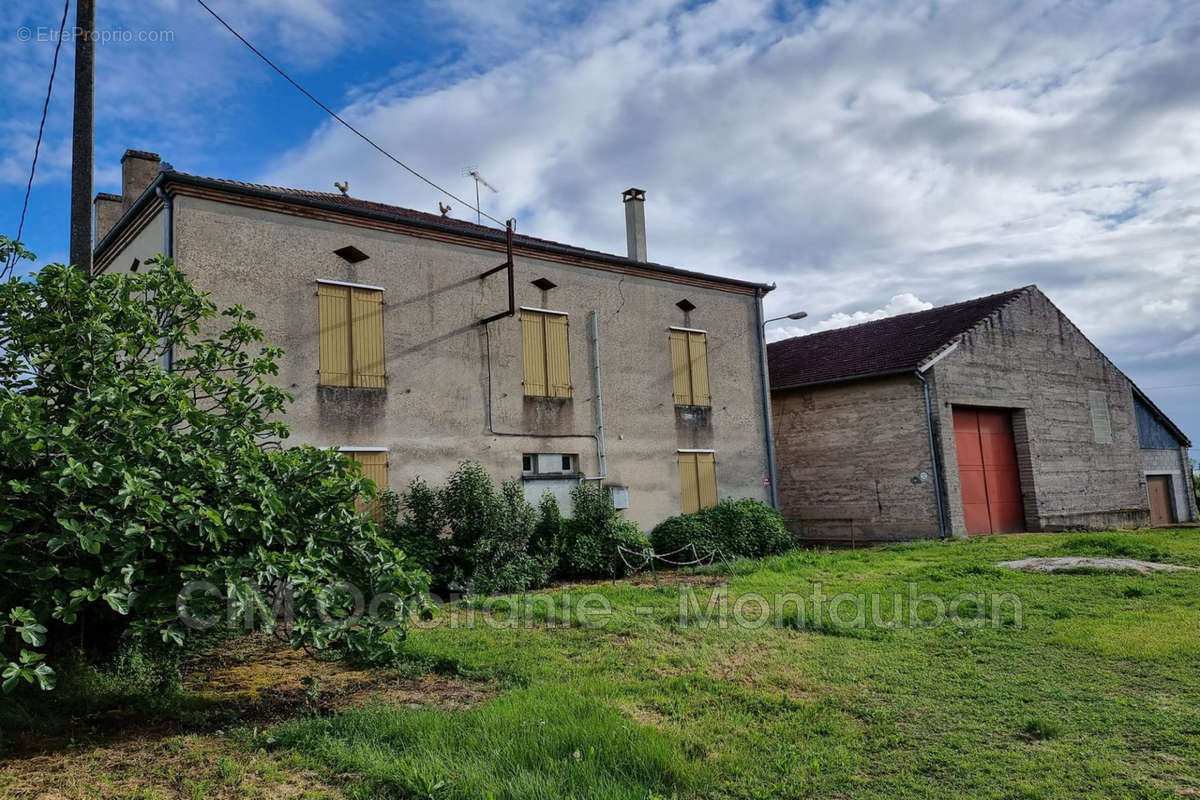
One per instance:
(414,523)
(731,529)
(591,536)
(120,481)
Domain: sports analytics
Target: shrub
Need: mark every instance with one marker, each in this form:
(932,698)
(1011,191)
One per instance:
(732,529)
(122,481)
(592,535)
(414,523)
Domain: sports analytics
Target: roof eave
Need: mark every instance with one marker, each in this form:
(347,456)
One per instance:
(887,373)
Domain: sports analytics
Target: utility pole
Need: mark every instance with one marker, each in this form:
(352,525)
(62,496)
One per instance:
(81,136)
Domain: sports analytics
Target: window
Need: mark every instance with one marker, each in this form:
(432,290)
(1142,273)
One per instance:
(1101,423)
(549,464)
(697,479)
(689,365)
(351,320)
(546,357)
(374,463)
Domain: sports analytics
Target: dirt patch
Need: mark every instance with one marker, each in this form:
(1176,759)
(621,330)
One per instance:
(269,680)
(1080,563)
(252,681)
(174,767)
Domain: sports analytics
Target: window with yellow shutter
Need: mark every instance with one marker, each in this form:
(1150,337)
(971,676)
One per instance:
(351,340)
(697,479)
(689,367)
(374,464)
(545,355)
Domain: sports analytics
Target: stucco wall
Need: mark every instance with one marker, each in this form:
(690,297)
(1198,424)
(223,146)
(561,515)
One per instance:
(433,412)
(1032,359)
(849,459)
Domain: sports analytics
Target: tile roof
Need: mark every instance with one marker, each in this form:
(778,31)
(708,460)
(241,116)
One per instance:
(400,214)
(885,346)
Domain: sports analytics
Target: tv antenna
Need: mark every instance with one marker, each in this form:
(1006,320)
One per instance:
(479,179)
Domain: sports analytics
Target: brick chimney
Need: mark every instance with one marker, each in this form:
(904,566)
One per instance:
(635,222)
(138,170)
(108,208)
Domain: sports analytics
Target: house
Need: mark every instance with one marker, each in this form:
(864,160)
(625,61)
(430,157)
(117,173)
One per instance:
(987,416)
(414,341)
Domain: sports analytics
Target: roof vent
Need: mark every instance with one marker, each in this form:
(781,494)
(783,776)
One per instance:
(635,223)
(351,254)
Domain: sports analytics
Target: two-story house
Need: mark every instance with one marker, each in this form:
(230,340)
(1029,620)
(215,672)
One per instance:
(414,341)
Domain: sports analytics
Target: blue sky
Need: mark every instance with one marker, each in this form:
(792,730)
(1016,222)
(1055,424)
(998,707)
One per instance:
(871,157)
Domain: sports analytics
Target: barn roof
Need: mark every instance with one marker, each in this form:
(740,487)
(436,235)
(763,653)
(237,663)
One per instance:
(883,347)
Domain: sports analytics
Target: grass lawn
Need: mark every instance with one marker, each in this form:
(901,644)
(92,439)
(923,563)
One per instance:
(1091,689)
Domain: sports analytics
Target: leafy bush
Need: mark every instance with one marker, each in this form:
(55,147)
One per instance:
(591,536)
(414,523)
(122,481)
(732,528)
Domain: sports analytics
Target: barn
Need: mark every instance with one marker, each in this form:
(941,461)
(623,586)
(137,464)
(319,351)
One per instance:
(991,415)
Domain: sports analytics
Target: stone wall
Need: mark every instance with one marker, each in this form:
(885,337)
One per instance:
(850,458)
(1030,358)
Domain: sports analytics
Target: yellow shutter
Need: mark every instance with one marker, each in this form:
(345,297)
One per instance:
(679,368)
(706,479)
(698,359)
(367,336)
(334,311)
(374,465)
(558,358)
(533,349)
(688,484)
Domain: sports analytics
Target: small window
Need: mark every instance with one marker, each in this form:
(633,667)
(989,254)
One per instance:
(545,354)
(697,480)
(689,367)
(351,341)
(1101,422)
(549,464)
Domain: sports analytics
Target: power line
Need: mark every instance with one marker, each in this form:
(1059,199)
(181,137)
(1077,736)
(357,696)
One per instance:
(38,146)
(1175,386)
(333,114)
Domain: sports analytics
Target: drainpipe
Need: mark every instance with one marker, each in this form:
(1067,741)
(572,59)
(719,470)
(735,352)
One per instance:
(168,356)
(601,447)
(933,457)
(766,396)
(168,222)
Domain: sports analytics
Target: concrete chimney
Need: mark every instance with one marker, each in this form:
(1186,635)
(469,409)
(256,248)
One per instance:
(138,170)
(108,209)
(635,222)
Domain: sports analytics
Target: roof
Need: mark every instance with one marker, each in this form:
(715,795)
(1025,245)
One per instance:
(382,211)
(883,347)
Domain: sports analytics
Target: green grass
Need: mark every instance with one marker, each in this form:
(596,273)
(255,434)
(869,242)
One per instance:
(1095,694)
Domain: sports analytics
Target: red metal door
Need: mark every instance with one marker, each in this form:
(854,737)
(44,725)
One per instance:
(987,469)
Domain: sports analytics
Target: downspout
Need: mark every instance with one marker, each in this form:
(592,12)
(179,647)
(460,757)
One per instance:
(168,356)
(601,447)
(765,385)
(933,457)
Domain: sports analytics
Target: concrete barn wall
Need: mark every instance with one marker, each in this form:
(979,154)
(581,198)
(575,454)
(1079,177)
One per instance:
(1031,358)
(1171,462)
(848,459)
(433,412)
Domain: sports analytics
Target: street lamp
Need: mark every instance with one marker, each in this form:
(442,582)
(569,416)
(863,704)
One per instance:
(766,397)
(793,315)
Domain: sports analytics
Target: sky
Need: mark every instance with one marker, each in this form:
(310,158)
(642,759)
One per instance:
(870,157)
